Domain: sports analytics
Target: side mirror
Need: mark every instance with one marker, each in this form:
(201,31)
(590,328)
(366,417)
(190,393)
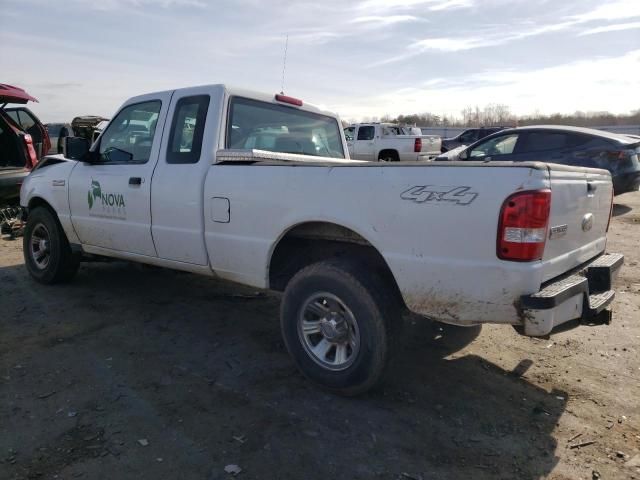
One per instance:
(463,155)
(75,148)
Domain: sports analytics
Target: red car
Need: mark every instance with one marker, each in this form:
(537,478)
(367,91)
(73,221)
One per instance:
(23,141)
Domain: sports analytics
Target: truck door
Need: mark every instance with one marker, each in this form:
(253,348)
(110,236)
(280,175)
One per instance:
(110,198)
(364,145)
(178,181)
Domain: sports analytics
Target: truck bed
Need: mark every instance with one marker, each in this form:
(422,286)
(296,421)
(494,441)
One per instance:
(441,252)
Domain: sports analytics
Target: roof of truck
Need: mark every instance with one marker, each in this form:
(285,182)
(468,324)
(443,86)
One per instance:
(242,92)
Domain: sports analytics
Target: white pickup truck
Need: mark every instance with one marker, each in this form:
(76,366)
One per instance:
(388,142)
(259,189)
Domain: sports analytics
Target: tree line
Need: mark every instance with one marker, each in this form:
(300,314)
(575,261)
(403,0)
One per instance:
(501,115)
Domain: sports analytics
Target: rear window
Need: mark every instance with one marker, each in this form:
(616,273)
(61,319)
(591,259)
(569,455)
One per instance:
(276,128)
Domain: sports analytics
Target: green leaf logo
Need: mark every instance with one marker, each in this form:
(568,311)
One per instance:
(90,199)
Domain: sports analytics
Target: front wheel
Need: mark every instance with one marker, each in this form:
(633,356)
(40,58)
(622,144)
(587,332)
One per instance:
(46,250)
(336,322)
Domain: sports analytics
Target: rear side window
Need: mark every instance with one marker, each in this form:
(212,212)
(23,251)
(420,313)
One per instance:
(577,140)
(14,116)
(366,133)
(469,136)
(187,129)
(277,128)
(22,118)
(541,141)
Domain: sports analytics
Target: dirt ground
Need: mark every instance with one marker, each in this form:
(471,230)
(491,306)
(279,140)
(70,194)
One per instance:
(132,372)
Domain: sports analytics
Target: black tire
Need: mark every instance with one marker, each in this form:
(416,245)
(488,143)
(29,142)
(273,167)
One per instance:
(372,304)
(388,156)
(62,263)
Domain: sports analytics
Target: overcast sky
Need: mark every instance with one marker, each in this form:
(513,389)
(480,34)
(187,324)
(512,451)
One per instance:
(360,58)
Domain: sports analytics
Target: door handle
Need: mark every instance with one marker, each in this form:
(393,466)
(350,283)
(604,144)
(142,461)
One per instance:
(135,180)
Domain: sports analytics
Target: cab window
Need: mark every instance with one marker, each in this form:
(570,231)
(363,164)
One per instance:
(502,145)
(129,136)
(187,129)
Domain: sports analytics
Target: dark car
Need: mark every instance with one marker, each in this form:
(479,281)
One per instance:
(57,132)
(577,146)
(468,137)
(17,146)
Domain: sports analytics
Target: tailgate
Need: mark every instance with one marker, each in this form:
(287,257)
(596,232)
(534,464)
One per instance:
(430,143)
(580,209)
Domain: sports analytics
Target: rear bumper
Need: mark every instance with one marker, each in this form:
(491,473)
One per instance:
(581,295)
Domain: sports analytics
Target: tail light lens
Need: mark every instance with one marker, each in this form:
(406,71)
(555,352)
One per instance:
(33,158)
(522,230)
(417,145)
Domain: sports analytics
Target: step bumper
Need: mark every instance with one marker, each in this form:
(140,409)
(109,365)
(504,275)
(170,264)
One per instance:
(582,295)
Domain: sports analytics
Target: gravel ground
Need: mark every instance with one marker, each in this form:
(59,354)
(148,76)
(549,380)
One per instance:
(133,372)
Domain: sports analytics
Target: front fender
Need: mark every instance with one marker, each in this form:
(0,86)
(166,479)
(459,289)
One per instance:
(49,184)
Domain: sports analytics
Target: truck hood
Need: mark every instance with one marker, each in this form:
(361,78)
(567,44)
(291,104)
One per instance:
(11,94)
(50,160)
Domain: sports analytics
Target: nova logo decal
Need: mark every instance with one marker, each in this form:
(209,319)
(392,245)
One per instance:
(437,194)
(112,203)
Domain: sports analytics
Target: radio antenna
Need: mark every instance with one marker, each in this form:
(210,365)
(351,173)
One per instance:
(284,63)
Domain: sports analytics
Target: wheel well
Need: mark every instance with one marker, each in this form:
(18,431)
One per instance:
(393,153)
(40,202)
(314,242)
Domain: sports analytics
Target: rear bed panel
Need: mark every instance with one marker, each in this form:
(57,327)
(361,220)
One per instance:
(435,225)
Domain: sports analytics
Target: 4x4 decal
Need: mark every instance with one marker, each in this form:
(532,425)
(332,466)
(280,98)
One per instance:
(439,194)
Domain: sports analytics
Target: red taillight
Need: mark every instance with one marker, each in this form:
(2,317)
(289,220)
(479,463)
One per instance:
(290,100)
(33,158)
(522,231)
(417,145)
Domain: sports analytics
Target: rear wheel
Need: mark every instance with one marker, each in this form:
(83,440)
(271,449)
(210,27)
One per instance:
(47,254)
(388,156)
(336,322)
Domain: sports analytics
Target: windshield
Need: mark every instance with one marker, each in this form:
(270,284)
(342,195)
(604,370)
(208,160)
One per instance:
(276,128)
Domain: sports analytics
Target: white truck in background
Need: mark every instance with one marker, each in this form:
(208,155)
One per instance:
(259,189)
(388,142)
